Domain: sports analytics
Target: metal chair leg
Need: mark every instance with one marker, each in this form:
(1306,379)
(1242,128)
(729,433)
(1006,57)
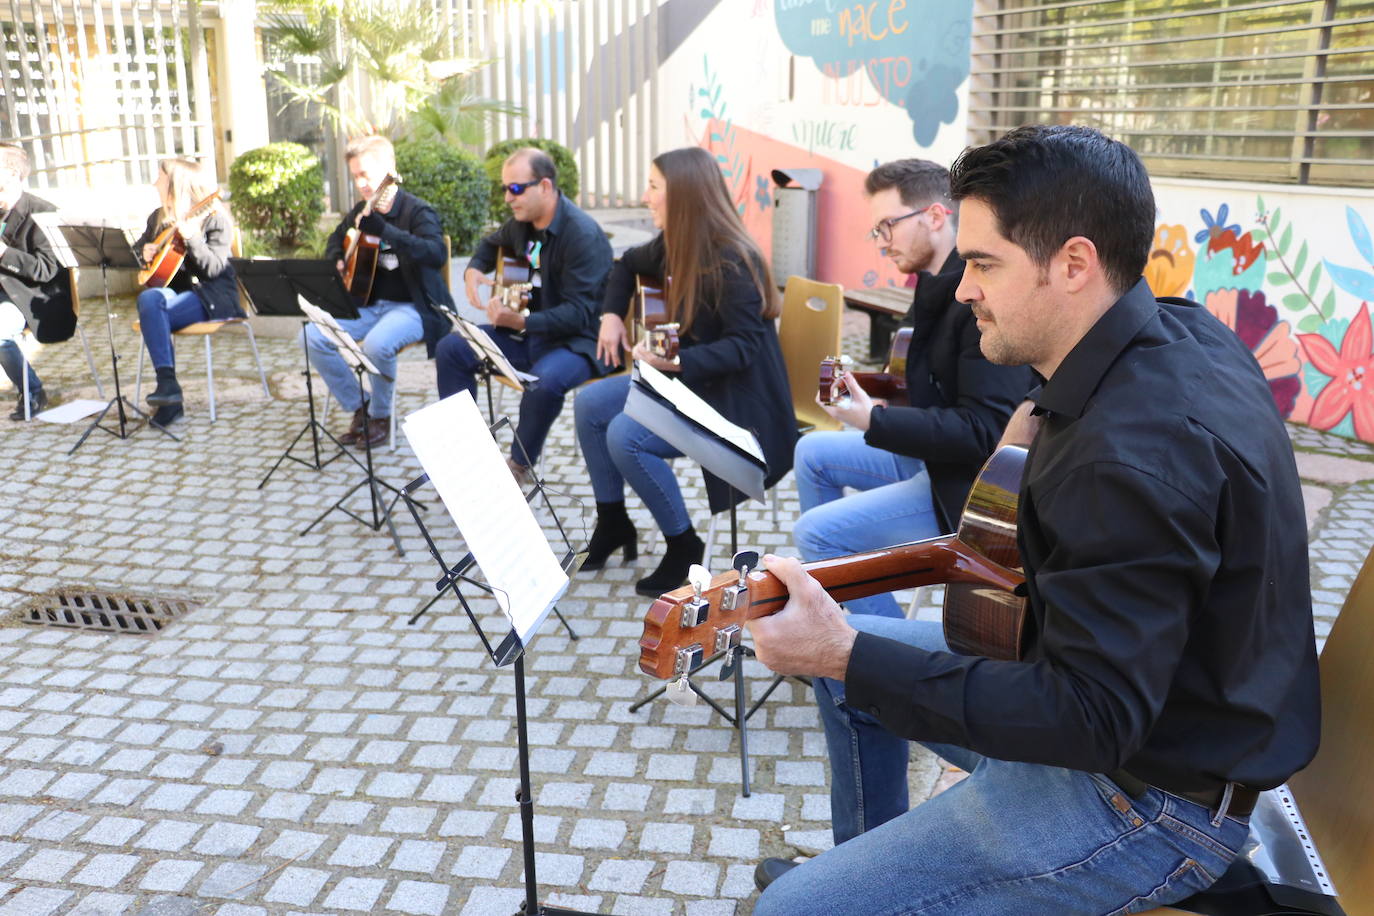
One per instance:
(253,342)
(210,374)
(99,388)
(138,377)
(24,380)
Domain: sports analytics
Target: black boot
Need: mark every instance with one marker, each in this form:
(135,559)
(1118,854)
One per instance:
(613,530)
(165,416)
(167,390)
(38,402)
(683,550)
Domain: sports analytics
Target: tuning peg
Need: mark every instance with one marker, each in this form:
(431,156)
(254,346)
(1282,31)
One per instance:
(744,561)
(680,692)
(699,577)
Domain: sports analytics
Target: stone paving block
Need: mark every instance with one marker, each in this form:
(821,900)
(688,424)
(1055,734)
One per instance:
(697,879)
(56,826)
(483,862)
(622,796)
(358,851)
(50,865)
(297,886)
(359,894)
(467,823)
(226,839)
(673,838)
(545,829)
(103,903)
(34,901)
(624,876)
(168,836)
(170,875)
(418,856)
(233,879)
(295,845)
(738,843)
(487,901)
(106,869)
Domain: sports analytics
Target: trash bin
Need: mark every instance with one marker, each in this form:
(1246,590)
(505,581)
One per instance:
(794,223)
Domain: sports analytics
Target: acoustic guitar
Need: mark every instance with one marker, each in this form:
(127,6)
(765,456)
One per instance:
(362,250)
(890,384)
(171,248)
(514,282)
(979,565)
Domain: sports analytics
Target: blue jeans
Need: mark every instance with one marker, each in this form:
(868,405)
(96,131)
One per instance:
(1011,838)
(893,507)
(162,311)
(382,329)
(559,370)
(12,324)
(618,449)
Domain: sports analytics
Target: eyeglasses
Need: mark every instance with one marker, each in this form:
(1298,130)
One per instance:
(516,188)
(883,230)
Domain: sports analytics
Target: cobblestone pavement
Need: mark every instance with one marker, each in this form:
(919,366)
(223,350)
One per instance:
(293,745)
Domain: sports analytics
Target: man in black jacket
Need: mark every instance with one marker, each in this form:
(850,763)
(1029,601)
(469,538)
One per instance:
(409,300)
(570,259)
(914,465)
(33,285)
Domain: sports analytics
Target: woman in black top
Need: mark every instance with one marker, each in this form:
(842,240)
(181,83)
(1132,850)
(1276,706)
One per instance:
(203,288)
(721,293)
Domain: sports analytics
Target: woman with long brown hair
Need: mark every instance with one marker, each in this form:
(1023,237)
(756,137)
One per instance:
(202,289)
(721,294)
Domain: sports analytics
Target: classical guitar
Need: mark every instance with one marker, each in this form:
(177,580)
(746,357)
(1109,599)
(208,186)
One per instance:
(651,301)
(171,247)
(514,282)
(890,384)
(979,565)
(362,250)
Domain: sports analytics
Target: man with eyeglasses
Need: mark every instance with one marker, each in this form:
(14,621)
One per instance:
(570,259)
(409,300)
(913,465)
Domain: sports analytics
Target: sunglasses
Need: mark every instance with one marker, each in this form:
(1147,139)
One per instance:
(516,188)
(883,230)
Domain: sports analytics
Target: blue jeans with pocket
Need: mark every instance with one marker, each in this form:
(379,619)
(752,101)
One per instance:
(382,330)
(894,504)
(162,311)
(1019,838)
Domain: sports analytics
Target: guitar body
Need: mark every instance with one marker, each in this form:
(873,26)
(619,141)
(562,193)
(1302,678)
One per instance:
(514,282)
(171,248)
(890,384)
(651,301)
(362,250)
(360,263)
(171,254)
(979,566)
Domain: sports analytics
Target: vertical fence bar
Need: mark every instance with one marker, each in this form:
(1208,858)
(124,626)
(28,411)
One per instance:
(11,112)
(188,137)
(125,93)
(39,156)
(51,93)
(570,73)
(162,97)
(585,104)
(61,115)
(83,53)
(145,95)
(628,124)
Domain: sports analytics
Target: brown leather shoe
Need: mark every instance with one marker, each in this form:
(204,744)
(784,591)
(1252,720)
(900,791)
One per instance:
(519,472)
(378,431)
(355,428)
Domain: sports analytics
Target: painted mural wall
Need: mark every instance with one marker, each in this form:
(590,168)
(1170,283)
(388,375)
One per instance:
(841,86)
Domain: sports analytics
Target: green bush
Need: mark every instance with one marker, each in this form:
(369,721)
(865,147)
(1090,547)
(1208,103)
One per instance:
(452,181)
(563,161)
(276,193)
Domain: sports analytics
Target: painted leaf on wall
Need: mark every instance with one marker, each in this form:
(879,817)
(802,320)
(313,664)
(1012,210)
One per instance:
(1358,283)
(1359,233)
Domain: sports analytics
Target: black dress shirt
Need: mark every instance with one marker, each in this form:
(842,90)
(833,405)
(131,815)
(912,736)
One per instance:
(574,261)
(1162,531)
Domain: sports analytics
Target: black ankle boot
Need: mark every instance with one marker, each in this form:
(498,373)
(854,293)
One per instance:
(613,530)
(683,550)
(167,390)
(166,416)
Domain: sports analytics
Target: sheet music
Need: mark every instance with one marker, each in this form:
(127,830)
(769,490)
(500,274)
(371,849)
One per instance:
(469,472)
(52,222)
(688,403)
(348,347)
(485,347)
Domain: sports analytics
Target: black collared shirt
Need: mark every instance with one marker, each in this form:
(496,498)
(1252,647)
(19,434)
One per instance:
(1162,530)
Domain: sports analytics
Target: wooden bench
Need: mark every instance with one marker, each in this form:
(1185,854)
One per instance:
(1334,795)
(886,307)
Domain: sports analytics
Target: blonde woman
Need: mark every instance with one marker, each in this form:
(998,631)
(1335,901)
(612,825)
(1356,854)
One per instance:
(203,289)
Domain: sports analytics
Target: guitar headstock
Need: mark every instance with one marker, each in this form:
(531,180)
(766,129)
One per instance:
(832,389)
(688,625)
(663,341)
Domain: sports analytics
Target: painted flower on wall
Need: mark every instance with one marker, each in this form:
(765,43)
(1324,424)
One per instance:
(1212,227)
(1257,324)
(1170,267)
(1351,371)
(1230,261)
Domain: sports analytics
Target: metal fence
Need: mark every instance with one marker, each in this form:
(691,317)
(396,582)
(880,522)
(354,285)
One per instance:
(586,75)
(99,92)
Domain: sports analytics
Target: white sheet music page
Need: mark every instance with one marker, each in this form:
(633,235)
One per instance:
(334,333)
(470,475)
(691,406)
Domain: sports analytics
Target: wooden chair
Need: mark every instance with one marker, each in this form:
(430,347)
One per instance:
(73,278)
(206,330)
(1334,795)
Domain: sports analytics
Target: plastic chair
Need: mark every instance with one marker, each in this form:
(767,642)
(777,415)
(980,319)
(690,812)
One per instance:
(207,329)
(1335,793)
(808,332)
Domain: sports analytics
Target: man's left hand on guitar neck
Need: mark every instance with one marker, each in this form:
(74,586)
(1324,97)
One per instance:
(809,637)
(502,317)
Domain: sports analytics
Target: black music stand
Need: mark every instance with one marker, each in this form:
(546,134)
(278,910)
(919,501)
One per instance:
(98,243)
(493,365)
(276,288)
(509,651)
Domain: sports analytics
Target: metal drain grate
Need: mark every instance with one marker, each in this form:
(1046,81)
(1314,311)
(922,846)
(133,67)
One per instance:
(109,613)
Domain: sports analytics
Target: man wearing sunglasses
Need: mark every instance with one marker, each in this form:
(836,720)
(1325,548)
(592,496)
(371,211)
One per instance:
(570,259)
(913,465)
